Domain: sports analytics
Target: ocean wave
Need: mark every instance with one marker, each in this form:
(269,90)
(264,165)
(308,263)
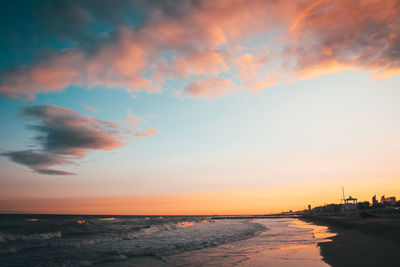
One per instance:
(162,227)
(107,219)
(123,239)
(149,230)
(5,237)
(32,220)
(185,224)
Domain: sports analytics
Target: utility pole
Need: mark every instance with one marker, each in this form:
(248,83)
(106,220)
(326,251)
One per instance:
(344,199)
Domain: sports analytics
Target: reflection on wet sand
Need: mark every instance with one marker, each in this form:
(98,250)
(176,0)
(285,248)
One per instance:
(287,242)
(300,248)
(319,232)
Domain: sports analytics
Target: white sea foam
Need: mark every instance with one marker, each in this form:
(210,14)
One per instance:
(32,220)
(107,219)
(185,224)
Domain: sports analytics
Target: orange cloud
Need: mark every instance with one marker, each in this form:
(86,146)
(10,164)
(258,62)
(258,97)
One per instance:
(132,120)
(121,64)
(125,60)
(332,36)
(55,74)
(250,65)
(259,84)
(210,88)
(320,37)
(201,62)
(146,133)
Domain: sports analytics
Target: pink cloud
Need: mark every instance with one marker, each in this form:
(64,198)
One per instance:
(210,88)
(250,65)
(319,37)
(124,61)
(146,133)
(333,36)
(132,120)
(207,61)
(258,85)
(90,109)
(55,74)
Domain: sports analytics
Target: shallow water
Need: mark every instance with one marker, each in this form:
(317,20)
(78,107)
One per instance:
(54,240)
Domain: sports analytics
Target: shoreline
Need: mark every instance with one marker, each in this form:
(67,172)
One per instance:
(360,241)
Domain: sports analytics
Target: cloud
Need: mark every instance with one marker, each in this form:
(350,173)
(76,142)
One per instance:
(63,136)
(146,133)
(64,131)
(208,61)
(249,65)
(129,56)
(52,16)
(121,64)
(53,172)
(332,36)
(39,162)
(58,72)
(131,119)
(90,109)
(210,88)
(194,41)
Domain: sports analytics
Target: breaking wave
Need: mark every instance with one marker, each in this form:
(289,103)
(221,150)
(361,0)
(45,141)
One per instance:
(32,220)
(85,240)
(107,219)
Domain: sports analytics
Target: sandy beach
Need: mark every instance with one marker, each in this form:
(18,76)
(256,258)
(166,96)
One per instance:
(360,242)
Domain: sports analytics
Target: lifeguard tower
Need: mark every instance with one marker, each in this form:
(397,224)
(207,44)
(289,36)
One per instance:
(350,207)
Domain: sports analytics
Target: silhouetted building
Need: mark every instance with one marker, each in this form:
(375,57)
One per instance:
(350,207)
(388,200)
(350,200)
(374,201)
(363,205)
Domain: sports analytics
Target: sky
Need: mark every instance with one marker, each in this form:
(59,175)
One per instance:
(197,106)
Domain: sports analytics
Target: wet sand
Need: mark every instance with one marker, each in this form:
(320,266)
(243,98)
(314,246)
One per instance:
(360,242)
(285,243)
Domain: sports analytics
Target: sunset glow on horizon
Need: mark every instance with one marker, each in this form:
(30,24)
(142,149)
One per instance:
(176,107)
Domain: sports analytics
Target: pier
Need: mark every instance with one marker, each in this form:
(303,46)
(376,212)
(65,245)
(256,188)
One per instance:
(246,217)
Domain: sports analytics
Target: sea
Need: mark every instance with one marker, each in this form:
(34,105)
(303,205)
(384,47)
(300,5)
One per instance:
(77,240)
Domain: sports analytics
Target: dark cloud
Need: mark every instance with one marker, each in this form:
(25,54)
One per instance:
(64,131)
(39,161)
(53,172)
(171,8)
(63,135)
(83,22)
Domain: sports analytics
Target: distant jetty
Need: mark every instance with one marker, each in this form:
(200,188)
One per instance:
(246,217)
